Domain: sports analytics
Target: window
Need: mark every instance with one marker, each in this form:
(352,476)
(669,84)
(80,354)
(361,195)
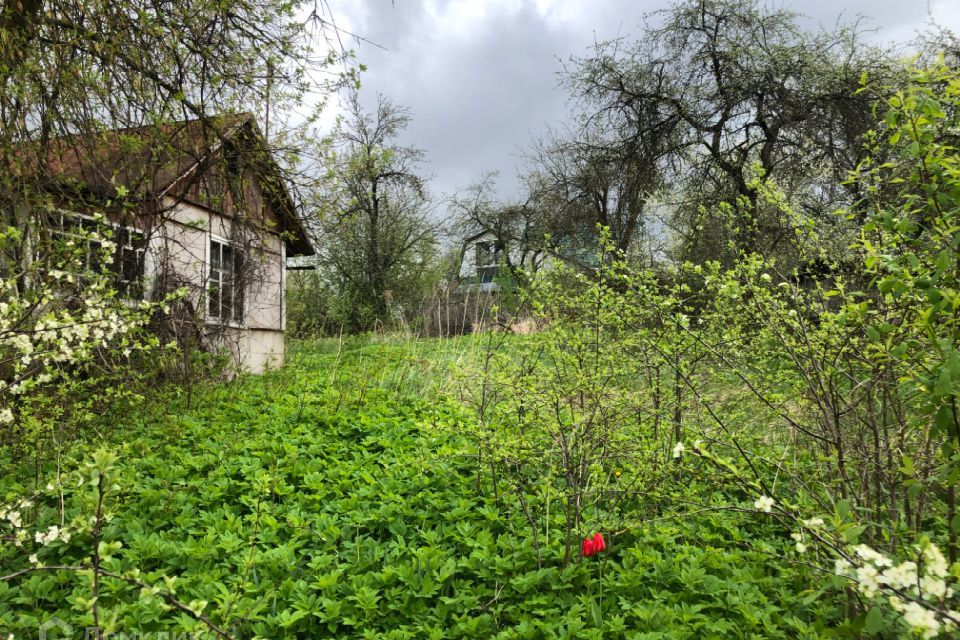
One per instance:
(487,261)
(69,230)
(224,286)
(487,254)
(128,263)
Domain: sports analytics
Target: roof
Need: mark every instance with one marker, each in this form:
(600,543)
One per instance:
(476,236)
(156,160)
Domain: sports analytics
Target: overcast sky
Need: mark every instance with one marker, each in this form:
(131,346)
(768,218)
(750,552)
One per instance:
(480,76)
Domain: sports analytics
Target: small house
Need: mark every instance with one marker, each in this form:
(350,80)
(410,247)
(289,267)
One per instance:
(488,261)
(199,206)
(480,261)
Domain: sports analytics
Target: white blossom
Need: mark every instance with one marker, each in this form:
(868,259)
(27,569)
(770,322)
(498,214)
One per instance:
(934,562)
(933,588)
(841,567)
(764,503)
(921,620)
(868,579)
(902,576)
(870,555)
(52,534)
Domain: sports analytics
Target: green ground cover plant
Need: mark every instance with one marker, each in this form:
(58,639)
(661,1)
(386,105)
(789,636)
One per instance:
(337,498)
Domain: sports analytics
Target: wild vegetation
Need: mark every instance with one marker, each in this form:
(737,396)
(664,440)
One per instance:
(735,414)
(339,498)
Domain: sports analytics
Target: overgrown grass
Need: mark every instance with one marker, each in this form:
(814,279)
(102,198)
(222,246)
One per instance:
(336,498)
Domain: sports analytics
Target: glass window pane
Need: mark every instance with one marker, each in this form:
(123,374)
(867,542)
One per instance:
(226,301)
(227,260)
(213,294)
(129,264)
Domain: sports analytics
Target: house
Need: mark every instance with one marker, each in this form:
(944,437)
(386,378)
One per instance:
(480,261)
(487,261)
(200,206)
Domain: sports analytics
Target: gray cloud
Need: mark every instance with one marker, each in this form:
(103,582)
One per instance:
(480,76)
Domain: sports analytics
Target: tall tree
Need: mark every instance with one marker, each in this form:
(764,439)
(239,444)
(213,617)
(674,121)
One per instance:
(377,238)
(746,96)
(599,175)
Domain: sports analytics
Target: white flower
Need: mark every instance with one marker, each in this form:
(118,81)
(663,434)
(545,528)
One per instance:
(801,548)
(678,450)
(841,566)
(921,620)
(902,576)
(813,522)
(869,555)
(6,415)
(867,576)
(14,518)
(53,533)
(935,588)
(936,564)
(764,503)
(33,559)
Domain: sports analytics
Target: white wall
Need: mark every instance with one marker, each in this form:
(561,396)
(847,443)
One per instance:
(182,243)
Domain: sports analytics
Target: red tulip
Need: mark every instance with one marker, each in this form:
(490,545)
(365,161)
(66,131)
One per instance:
(588,548)
(599,543)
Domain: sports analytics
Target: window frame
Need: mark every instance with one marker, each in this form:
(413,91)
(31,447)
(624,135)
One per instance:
(238,298)
(134,242)
(485,253)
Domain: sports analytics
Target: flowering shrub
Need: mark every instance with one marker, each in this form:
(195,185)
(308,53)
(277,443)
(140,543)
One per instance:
(920,590)
(62,323)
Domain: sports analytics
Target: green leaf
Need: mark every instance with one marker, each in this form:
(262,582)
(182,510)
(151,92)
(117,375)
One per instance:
(873,624)
(853,533)
(843,509)
(943,420)
(955,523)
(595,613)
(906,467)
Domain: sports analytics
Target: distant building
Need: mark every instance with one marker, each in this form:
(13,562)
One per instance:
(485,262)
(480,262)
